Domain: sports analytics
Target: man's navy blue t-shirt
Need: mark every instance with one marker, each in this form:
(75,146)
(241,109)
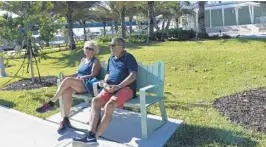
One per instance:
(119,68)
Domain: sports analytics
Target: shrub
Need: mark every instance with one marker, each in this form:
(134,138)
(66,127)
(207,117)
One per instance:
(225,36)
(214,37)
(105,39)
(137,38)
(174,34)
(203,35)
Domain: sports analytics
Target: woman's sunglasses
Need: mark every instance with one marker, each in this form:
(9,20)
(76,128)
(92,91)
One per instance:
(87,48)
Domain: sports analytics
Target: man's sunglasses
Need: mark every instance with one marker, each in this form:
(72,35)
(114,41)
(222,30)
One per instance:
(87,48)
(113,45)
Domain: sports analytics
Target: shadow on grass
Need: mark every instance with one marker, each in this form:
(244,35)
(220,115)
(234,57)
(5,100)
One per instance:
(49,96)
(12,76)
(191,135)
(247,40)
(73,58)
(131,46)
(6,103)
(186,106)
(170,103)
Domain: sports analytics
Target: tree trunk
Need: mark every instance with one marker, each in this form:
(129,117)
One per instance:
(116,26)
(163,24)
(130,25)
(150,20)
(84,30)
(123,29)
(157,27)
(155,23)
(201,17)
(176,22)
(72,44)
(104,28)
(168,23)
(112,28)
(47,43)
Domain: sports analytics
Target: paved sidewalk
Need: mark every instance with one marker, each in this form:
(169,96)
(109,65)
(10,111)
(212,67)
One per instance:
(125,127)
(23,130)
(18,129)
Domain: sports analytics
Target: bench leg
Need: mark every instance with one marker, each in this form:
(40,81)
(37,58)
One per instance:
(163,112)
(88,101)
(61,104)
(144,127)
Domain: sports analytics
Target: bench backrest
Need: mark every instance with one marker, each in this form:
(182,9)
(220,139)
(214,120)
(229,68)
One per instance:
(147,75)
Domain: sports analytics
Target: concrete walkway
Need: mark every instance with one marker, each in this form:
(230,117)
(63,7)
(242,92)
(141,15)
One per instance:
(20,129)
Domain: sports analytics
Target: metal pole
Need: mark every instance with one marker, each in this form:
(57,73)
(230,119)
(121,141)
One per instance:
(223,16)
(2,65)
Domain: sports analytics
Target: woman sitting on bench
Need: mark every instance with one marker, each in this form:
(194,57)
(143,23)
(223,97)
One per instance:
(81,82)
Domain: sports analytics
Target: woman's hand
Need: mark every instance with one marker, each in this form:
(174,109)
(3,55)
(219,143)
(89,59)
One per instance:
(82,77)
(101,83)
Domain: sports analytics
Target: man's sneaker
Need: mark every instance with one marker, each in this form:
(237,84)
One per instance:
(88,139)
(64,126)
(46,107)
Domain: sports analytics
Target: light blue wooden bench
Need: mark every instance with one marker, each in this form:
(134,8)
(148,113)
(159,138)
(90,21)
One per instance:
(150,85)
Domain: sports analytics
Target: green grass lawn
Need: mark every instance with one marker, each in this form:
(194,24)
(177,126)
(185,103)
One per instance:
(197,73)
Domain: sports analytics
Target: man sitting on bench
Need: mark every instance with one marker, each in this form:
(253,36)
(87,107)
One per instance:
(121,78)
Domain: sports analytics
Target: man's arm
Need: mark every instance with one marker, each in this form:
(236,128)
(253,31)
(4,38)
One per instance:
(106,78)
(128,80)
(132,68)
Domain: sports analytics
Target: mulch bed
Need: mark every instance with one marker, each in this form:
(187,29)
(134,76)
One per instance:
(247,108)
(26,84)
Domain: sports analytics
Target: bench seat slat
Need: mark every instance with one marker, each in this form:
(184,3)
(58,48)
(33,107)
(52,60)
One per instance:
(135,103)
(132,103)
(82,96)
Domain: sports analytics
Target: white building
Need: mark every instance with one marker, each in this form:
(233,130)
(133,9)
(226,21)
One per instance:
(230,17)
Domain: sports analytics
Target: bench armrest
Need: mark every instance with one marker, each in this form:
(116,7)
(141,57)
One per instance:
(95,88)
(144,89)
(142,95)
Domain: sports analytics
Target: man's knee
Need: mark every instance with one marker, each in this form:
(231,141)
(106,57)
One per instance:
(97,102)
(110,107)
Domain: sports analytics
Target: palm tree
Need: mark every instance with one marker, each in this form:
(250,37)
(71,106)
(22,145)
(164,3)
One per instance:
(131,13)
(178,11)
(164,12)
(105,13)
(150,20)
(84,15)
(201,19)
(122,7)
(67,9)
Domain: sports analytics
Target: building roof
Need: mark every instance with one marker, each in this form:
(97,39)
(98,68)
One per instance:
(231,4)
